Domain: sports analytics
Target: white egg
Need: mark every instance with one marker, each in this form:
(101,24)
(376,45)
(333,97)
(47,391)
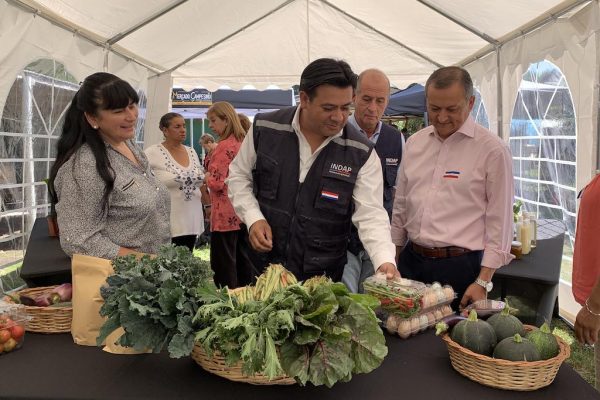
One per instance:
(415,325)
(449,293)
(430,318)
(441,296)
(423,322)
(391,324)
(404,328)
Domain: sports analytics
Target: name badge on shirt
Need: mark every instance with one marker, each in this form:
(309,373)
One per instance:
(391,161)
(128,185)
(451,174)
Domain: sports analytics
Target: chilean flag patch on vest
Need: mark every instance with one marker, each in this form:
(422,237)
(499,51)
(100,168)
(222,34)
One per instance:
(329,195)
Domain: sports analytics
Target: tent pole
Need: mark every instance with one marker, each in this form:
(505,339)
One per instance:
(223,39)
(143,23)
(84,34)
(388,37)
(499,107)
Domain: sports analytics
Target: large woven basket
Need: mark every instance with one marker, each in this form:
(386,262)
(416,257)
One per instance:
(504,374)
(216,365)
(47,319)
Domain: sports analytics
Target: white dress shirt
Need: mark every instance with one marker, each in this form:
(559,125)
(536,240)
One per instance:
(369,216)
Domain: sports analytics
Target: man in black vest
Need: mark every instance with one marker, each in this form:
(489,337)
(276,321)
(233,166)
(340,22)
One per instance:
(370,101)
(302,178)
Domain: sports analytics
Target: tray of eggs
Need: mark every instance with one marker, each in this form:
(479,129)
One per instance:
(435,305)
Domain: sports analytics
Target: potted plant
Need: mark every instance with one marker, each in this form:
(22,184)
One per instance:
(52,221)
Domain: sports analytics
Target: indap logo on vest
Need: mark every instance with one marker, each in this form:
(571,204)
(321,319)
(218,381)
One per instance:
(340,169)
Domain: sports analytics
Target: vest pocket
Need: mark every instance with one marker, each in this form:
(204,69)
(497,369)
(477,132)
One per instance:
(390,173)
(325,254)
(334,196)
(266,176)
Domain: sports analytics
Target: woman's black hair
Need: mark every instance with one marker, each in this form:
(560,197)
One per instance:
(99,91)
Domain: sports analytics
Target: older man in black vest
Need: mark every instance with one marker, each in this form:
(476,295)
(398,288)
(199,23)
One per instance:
(302,178)
(370,101)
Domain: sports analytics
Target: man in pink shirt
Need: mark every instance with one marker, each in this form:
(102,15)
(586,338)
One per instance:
(452,220)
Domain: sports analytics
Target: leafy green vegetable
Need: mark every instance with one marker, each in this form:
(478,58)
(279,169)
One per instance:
(155,300)
(317,332)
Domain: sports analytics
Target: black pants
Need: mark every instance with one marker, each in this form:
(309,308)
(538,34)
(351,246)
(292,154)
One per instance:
(458,272)
(229,259)
(187,240)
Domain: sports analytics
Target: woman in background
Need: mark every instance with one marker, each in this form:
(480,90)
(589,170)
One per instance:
(207,141)
(245,121)
(108,201)
(178,167)
(232,266)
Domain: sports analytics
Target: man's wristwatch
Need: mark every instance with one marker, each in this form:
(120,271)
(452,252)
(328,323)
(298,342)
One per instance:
(485,284)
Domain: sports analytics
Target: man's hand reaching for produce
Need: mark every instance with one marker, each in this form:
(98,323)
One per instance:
(389,269)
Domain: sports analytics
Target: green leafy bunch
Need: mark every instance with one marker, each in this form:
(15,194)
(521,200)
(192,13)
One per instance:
(517,209)
(316,332)
(154,300)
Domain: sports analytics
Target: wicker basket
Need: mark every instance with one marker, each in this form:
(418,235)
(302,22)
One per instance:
(217,366)
(47,319)
(504,374)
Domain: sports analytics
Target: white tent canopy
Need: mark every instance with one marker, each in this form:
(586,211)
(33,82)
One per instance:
(211,43)
(159,44)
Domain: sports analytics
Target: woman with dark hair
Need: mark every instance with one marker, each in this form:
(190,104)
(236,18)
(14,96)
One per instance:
(230,263)
(178,167)
(108,201)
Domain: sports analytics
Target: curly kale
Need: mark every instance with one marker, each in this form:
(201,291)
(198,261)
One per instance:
(154,300)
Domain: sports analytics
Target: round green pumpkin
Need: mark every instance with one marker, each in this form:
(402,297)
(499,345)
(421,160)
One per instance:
(506,325)
(516,348)
(544,341)
(475,334)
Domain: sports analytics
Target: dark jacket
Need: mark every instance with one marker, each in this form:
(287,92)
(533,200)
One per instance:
(310,221)
(389,150)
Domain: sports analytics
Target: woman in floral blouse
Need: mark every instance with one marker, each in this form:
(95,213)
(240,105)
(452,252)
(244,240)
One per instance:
(231,265)
(178,167)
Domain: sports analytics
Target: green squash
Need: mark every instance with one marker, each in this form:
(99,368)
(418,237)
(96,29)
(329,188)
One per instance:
(475,334)
(544,341)
(506,325)
(516,348)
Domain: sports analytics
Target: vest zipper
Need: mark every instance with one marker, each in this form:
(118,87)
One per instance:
(293,222)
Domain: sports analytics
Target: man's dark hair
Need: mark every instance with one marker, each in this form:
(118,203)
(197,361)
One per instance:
(446,76)
(326,71)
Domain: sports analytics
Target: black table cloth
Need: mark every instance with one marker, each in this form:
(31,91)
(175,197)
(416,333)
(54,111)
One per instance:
(535,277)
(45,263)
(52,367)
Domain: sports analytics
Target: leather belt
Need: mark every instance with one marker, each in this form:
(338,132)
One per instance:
(439,252)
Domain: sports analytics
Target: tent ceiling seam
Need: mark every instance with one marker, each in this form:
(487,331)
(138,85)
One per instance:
(144,22)
(371,27)
(89,36)
(218,42)
(460,23)
(522,31)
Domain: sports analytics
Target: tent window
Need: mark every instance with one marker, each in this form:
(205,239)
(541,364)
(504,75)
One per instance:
(30,125)
(543,142)
(479,112)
